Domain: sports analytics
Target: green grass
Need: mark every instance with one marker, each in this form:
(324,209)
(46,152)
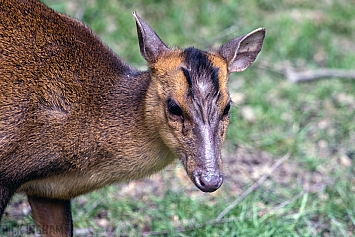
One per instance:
(313,193)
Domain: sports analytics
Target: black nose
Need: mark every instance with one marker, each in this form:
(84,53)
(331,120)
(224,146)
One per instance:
(208,182)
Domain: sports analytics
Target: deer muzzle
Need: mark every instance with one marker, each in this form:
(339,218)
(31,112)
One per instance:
(209,182)
(206,173)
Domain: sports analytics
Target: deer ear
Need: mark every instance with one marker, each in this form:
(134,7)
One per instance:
(242,51)
(150,44)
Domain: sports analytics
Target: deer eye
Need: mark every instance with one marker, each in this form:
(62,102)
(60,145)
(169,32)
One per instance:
(174,108)
(226,109)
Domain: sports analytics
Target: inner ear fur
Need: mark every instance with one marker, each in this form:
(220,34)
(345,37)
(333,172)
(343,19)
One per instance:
(242,51)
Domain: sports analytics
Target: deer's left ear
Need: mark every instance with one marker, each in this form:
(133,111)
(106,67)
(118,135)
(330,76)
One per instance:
(242,51)
(150,44)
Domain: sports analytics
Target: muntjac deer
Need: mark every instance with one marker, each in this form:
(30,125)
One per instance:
(74,117)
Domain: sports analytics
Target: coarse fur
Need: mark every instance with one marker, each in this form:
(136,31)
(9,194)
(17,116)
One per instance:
(74,117)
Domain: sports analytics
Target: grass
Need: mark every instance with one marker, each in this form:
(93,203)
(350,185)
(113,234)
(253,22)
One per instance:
(311,194)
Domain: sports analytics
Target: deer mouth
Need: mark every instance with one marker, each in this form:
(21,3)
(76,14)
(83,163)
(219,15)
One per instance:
(206,181)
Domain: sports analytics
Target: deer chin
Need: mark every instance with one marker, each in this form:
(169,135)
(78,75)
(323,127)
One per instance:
(207,182)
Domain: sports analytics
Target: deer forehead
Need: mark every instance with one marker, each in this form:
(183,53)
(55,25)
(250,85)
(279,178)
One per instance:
(192,73)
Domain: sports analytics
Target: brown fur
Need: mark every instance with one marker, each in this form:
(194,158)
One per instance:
(74,117)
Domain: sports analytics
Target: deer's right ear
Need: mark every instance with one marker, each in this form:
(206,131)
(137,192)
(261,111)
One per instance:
(242,51)
(150,44)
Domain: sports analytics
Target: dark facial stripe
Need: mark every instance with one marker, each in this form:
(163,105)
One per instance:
(215,78)
(187,76)
(200,68)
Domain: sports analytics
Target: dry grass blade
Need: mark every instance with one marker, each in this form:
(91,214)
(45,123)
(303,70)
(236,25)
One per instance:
(309,75)
(253,187)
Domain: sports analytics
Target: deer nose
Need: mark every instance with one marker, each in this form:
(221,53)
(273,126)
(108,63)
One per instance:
(208,182)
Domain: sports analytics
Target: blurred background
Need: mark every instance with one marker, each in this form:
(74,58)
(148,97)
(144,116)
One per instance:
(310,194)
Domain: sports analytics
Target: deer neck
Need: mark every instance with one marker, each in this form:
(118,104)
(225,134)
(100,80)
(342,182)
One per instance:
(138,144)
